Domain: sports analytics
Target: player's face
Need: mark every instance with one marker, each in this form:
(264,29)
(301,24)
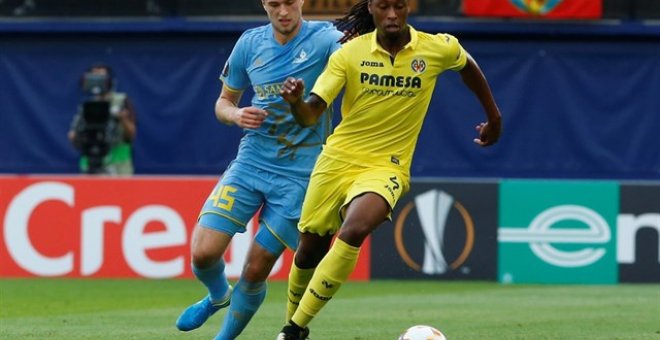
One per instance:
(390,16)
(284,15)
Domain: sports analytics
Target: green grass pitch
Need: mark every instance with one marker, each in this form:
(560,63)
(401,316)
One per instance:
(147,309)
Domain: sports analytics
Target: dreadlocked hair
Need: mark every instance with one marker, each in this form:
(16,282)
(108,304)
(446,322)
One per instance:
(357,21)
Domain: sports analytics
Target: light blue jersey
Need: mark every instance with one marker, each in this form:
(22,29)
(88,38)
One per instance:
(281,145)
(271,172)
(274,161)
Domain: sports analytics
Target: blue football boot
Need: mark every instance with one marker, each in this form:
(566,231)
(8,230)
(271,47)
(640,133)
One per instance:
(195,315)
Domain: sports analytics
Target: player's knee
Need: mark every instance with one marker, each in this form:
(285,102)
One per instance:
(256,269)
(311,249)
(354,234)
(308,257)
(204,258)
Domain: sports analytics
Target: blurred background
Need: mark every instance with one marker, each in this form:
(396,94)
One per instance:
(577,83)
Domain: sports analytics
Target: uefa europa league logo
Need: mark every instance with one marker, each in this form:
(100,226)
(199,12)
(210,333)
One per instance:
(433,208)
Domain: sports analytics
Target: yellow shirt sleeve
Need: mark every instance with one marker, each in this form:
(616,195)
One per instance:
(332,80)
(456,57)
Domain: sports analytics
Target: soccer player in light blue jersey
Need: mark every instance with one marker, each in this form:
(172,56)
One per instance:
(272,167)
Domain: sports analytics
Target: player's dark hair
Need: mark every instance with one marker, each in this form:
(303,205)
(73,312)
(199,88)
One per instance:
(357,21)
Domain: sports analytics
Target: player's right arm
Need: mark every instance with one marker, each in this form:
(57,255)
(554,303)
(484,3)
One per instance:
(228,112)
(235,80)
(306,112)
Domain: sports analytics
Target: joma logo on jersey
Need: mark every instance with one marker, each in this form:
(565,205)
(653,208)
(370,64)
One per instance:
(390,81)
(372,63)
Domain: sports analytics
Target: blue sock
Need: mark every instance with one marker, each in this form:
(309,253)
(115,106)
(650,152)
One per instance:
(245,301)
(214,279)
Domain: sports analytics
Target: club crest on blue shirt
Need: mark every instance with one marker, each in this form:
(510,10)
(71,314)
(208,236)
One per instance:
(301,58)
(418,65)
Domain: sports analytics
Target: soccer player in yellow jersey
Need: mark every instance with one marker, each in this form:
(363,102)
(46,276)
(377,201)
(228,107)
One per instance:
(389,76)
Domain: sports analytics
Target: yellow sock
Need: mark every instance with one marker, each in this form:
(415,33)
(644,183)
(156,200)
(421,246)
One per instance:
(298,280)
(333,270)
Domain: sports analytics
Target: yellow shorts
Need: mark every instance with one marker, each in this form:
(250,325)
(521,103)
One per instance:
(334,184)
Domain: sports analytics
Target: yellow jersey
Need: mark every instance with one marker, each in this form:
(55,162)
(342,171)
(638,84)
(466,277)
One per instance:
(386,98)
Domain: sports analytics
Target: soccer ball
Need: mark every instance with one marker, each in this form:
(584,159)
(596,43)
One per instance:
(422,332)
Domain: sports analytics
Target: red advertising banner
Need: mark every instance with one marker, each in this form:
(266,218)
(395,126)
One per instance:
(113,228)
(552,9)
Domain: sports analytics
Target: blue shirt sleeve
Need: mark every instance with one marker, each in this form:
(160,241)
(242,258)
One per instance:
(334,36)
(234,73)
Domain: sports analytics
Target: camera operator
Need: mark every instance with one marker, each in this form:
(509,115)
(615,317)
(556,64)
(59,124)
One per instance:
(103,129)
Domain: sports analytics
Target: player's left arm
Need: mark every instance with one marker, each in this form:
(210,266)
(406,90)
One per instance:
(474,79)
(306,112)
(328,84)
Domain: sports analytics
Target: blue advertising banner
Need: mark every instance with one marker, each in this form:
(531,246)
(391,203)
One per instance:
(570,109)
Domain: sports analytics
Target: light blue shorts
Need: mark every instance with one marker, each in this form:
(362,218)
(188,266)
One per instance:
(239,194)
